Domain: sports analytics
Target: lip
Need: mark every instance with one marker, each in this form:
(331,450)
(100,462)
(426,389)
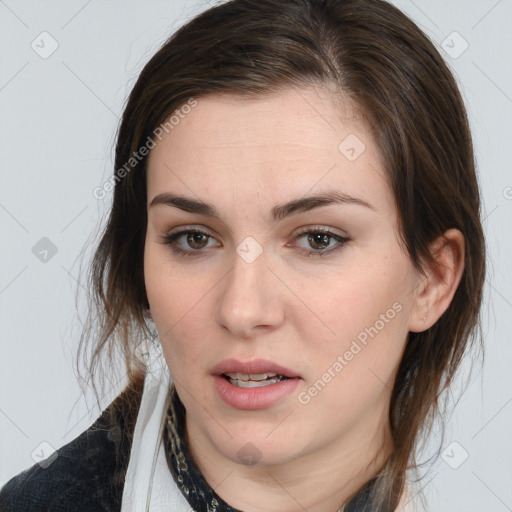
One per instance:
(252,367)
(253,398)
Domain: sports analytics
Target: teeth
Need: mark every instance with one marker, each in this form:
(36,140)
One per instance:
(261,376)
(254,381)
(253,377)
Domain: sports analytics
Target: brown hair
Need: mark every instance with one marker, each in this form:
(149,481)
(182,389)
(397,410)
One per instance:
(377,56)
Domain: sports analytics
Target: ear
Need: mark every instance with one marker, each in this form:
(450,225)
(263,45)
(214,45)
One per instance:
(437,288)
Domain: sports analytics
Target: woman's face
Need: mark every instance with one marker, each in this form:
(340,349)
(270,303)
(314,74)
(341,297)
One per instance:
(272,248)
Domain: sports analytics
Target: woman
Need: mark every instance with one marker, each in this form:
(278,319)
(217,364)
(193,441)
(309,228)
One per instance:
(296,226)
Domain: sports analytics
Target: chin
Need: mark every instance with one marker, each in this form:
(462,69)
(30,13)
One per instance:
(260,448)
(258,454)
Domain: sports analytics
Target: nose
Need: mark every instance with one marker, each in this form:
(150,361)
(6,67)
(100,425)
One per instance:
(249,301)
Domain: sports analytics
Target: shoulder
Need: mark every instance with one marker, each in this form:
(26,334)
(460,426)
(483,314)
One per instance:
(88,473)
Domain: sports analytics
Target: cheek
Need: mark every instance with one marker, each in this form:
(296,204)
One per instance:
(352,369)
(171,292)
(361,316)
(178,307)
(166,306)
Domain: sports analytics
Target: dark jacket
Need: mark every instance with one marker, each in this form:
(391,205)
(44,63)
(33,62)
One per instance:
(88,473)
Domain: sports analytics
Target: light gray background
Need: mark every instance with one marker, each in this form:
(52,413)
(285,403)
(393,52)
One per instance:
(57,127)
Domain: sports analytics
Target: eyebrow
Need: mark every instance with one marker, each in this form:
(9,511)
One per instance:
(279,212)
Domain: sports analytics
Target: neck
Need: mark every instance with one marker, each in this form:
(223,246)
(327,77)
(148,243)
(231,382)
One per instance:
(322,481)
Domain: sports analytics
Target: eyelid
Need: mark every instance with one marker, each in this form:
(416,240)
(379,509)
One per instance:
(190,227)
(323,229)
(339,239)
(170,239)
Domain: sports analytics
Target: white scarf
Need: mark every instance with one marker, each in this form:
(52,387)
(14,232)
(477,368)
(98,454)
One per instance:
(143,492)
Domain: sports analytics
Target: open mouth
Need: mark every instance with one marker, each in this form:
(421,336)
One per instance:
(254,380)
(253,385)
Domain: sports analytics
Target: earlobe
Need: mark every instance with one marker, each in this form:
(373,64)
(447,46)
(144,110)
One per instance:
(441,281)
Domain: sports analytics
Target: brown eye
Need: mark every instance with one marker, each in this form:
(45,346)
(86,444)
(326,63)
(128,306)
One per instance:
(197,240)
(189,242)
(318,240)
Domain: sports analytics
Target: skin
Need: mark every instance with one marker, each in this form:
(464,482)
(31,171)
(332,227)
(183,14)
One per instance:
(244,156)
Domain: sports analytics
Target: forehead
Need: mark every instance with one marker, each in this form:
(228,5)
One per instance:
(288,117)
(278,145)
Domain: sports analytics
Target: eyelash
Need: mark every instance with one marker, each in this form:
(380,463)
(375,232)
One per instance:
(170,239)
